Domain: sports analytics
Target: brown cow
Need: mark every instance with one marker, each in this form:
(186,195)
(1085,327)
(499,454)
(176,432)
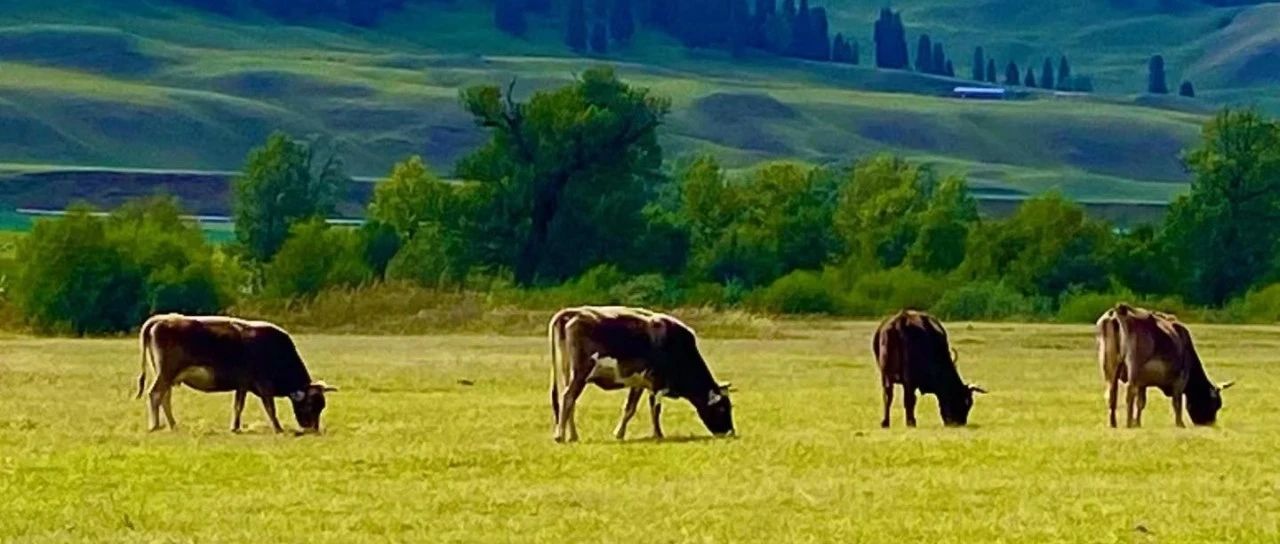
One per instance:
(911,349)
(1146,349)
(617,347)
(217,354)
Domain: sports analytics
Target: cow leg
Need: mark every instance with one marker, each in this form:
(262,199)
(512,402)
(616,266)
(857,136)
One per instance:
(1131,399)
(1177,410)
(555,408)
(909,403)
(1113,393)
(154,399)
(269,406)
(628,411)
(568,428)
(655,412)
(888,403)
(237,408)
(166,402)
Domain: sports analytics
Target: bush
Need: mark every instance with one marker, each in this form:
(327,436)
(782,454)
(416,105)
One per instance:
(427,260)
(315,257)
(1086,307)
(984,301)
(87,275)
(886,291)
(651,290)
(1258,306)
(800,292)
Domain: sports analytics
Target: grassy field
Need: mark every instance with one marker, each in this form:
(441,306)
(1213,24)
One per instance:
(411,454)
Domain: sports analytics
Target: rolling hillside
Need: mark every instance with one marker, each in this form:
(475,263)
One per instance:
(148,84)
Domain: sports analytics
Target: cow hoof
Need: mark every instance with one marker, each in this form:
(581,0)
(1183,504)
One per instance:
(884,424)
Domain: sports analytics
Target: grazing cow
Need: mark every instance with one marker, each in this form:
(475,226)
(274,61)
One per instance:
(1145,349)
(911,349)
(217,354)
(617,347)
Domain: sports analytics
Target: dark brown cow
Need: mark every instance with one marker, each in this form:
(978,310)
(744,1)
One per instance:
(911,349)
(616,347)
(218,354)
(1151,349)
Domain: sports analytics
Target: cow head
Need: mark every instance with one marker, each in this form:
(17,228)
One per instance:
(956,406)
(716,410)
(308,404)
(1203,408)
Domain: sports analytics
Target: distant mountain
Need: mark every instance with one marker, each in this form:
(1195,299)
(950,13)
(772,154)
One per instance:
(168,84)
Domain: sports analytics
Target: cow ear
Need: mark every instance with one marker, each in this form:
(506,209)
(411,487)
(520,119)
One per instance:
(324,386)
(297,396)
(1227,385)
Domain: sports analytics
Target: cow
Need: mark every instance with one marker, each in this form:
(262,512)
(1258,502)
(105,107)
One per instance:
(911,349)
(221,354)
(616,347)
(1152,349)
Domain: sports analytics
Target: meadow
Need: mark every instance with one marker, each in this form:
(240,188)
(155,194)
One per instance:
(447,439)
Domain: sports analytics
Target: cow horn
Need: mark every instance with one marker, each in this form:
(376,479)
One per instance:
(955,356)
(1227,385)
(977,389)
(726,387)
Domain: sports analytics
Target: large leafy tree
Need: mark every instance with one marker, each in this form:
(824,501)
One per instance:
(877,209)
(944,227)
(570,168)
(284,182)
(1223,234)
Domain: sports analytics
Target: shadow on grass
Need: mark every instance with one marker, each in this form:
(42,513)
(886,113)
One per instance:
(682,439)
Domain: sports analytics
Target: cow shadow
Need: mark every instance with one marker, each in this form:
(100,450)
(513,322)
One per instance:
(649,440)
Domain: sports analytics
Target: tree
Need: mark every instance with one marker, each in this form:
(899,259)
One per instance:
(1222,234)
(1046,74)
(839,51)
(820,35)
(992,75)
(890,41)
(924,54)
(410,198)
(939,60)
(777,33)
(1187,89)
(950,69)
(315,257)
(283,182)
(855,55)
(1031,77)
(740,28)
(1064,74)
(509,17)
(591,144)
(789,9)
(801,32)
(1012,76)
(576,26)
(877,208)
(599,39)
(622,25)
(1155,76)
(979,65)
(944,227)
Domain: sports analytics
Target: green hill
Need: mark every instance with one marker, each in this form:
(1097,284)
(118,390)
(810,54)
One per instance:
(150,84)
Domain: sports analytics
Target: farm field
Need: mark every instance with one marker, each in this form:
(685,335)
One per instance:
(411,453)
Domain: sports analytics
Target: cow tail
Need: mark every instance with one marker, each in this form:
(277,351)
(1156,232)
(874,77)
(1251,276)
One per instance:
(553,338)
(144,344)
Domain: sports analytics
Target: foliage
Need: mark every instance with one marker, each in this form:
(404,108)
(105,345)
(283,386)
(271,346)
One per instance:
(984,301)
(1156,83)
(800,292)
(1222,236)
(1260,305)
(878,206)
(590,147)
(284,182)
(1187,89)
(316,257)
(887,291)
(89,275)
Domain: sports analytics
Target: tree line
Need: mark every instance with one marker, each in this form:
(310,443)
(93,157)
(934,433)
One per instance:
(572,194)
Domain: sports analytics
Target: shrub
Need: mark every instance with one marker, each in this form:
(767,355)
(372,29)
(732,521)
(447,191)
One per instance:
(886,291)
(644,290)
(1258,306)
(1086,307)
(984,301)
(800,292)
(427,260)
(315,257)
